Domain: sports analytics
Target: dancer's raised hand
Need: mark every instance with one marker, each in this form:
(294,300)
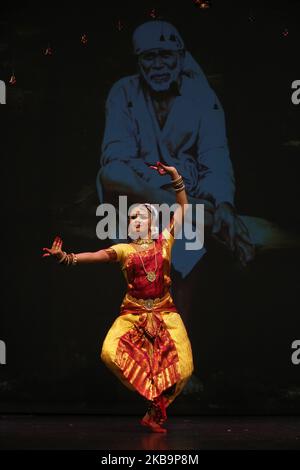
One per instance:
(164,169)
(55,250)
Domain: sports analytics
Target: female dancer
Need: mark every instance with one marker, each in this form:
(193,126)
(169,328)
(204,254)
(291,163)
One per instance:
(147,347)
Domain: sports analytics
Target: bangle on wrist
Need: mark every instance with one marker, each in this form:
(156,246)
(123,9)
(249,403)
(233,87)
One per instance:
(177,179)
(73,259)
(62,259)
(180,188)
(179,185)
(68,259)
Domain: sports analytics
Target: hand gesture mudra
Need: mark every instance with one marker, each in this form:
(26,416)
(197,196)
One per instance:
(55,250)
(164,169)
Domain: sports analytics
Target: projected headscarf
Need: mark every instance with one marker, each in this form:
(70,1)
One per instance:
(156,44)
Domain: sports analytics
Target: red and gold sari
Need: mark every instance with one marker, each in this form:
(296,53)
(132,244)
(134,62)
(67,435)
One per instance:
(147,347)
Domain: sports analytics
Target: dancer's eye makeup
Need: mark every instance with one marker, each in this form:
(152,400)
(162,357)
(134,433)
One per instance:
(142,216)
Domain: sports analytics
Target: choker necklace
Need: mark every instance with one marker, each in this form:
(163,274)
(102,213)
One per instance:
(143,243)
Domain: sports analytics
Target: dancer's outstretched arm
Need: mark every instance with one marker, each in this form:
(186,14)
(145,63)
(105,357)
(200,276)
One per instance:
(62,257)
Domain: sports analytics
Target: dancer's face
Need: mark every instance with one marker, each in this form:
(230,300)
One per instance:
(160,67)
(139,223)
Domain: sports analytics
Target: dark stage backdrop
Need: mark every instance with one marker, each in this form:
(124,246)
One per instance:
(53,321)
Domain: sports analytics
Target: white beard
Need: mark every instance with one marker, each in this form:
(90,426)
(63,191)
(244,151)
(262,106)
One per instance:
(165,85)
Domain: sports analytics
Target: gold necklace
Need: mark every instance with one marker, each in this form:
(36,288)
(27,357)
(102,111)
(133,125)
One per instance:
(143,243)
(150,275)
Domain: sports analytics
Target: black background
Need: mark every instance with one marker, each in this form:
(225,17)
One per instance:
(53,321)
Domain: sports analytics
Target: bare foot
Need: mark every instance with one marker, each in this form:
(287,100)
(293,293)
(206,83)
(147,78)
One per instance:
(155,427)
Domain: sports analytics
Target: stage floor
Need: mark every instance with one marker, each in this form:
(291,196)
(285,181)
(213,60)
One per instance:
(110,432)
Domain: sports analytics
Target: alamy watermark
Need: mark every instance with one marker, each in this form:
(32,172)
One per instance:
(295,357)
(296,94)
(2,92)
(191,229)
(2,352)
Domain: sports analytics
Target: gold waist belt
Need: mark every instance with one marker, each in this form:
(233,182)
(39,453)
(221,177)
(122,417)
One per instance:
(147,303)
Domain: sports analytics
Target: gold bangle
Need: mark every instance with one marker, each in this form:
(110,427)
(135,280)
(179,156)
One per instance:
(180,189)
(74,260)
(69,259)
(177,179)
(62,258)
(178,185)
